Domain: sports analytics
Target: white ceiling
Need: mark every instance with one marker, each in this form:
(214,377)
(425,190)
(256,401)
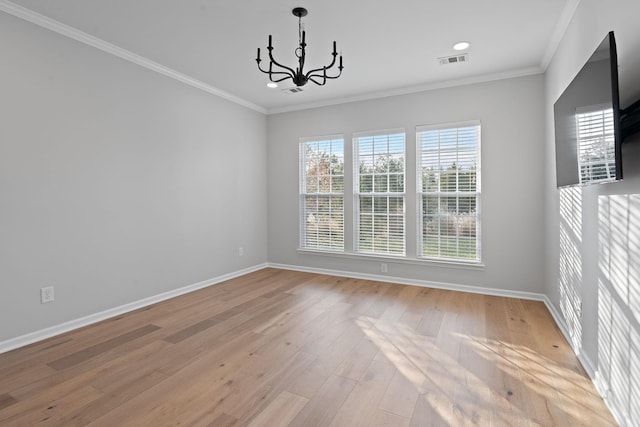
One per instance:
(388,47)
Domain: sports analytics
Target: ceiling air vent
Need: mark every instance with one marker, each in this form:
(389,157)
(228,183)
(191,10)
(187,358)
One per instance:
(293,90)
(446,60)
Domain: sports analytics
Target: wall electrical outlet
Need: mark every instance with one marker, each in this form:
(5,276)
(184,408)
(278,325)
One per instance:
(383,268)
(46,295)
(241,251)
(580,310)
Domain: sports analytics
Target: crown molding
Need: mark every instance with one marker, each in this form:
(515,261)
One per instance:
(559,32)
(82,37)
(523,72)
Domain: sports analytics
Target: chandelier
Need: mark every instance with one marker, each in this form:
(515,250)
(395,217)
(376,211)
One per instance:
(318,76)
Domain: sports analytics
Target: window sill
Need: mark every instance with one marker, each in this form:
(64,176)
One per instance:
(399,259)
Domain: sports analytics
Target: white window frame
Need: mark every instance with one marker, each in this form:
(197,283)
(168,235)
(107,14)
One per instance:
(333,195)
(391,250)
(457,193)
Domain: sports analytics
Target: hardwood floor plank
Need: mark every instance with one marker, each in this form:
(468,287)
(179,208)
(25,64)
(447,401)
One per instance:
(265,385)
(386,419)
(329,358)
(430,411)
(6,400)
(191,391)
(109,401)
(361,406)
(430,324)
(114,327)
(109,365)
(190,331)
(309,381)
(54,409)
(356,365)
(397,298)
(322,408)
(222,420)
(23,376)
(281,411)
(88,353)
(410,319)
(22,356)
(278,347)
(401,394)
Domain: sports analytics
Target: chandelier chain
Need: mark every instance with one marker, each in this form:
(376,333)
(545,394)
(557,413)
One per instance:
(300,48)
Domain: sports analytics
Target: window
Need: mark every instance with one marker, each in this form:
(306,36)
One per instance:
(596,144)
(449,191)
(379,160)
(322,194)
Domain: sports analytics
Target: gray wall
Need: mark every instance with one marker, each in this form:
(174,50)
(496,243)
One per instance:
(593,233)
(511,113)
(116,183)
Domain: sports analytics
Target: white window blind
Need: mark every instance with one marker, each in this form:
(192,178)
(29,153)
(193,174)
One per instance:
(322,193)
(596,144)
(449,191)
(379,165)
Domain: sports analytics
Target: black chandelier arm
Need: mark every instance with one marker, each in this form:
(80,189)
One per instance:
(271,73)
(312,79)
(287,76)
(314,73)
(324,78)
(324,69)
(274,62)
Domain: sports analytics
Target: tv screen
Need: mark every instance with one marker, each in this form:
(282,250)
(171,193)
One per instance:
(587,122)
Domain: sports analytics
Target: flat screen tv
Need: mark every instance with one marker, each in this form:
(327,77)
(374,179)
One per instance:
(587,122)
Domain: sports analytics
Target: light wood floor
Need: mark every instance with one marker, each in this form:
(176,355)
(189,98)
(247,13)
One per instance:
(282,348)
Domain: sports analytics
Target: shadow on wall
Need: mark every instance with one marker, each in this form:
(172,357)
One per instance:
(570,263)
(619,302)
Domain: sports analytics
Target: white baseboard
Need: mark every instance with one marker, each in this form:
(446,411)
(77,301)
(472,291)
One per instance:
(52,331)
(416,282)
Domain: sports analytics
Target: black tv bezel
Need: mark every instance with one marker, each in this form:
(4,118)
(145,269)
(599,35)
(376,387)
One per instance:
(615,100)
(619,115)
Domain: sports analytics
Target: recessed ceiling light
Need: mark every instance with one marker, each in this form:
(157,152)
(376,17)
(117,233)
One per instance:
(461,46)
(272,85)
